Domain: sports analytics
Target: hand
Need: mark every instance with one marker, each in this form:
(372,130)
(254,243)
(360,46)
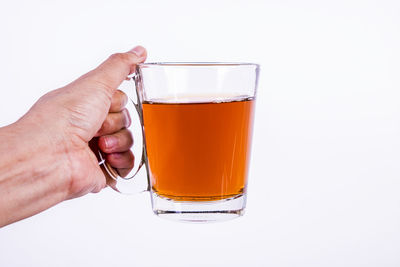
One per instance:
(71,116)
(45,156)
(115,140)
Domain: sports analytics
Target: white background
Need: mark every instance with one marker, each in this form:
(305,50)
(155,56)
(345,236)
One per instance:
(325,177)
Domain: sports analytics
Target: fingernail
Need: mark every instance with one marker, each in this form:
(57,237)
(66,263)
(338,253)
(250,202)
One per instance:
(110,142)
(138,50)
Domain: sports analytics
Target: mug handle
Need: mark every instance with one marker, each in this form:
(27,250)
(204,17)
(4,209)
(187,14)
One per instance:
(127,185)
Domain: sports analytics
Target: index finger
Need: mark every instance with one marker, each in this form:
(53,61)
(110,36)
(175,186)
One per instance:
(118,101)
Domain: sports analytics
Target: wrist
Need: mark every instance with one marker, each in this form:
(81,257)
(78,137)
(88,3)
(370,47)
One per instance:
(32,176)
(41,155)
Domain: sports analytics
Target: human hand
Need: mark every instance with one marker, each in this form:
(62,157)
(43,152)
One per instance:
(91,106)
(114,139)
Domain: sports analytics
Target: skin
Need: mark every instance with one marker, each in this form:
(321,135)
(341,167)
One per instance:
(47,156)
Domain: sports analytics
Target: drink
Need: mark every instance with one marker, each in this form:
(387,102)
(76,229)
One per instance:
(198,151)
(197,120)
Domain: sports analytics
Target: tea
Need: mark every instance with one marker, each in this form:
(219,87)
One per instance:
(198,151)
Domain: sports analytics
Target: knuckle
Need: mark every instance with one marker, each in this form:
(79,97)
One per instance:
(103,145)
(119,93)
(118,105)
(125,57)
(116,56)
(123,99)
(103,183)
(107,124)
(131,161)
(129,138)
(126,118)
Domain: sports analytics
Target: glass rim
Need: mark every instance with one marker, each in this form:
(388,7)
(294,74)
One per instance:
(197,64)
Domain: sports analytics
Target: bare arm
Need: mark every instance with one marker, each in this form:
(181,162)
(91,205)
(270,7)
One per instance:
(32,173)
(45,157)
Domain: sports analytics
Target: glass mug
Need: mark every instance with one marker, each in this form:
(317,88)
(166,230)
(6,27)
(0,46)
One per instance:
(196,121)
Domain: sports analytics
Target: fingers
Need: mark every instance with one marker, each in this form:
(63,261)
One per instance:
(110,74)
(119,157)
(115,122)
(118,142)
(123,160)
(118,118)
(124,172)
(118,101)
(115,140)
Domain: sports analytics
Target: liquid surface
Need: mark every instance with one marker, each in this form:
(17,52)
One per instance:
(198,151)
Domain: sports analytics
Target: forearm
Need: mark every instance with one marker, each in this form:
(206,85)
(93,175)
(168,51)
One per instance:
(30,173)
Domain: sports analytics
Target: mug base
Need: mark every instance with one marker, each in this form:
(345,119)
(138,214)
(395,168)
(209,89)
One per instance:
(199,211)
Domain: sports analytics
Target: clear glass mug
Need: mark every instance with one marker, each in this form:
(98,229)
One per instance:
(196,121)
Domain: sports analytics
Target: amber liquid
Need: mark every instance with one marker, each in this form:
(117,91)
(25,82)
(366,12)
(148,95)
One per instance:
(198,151)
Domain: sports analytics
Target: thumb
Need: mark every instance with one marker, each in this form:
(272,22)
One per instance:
(112,72)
